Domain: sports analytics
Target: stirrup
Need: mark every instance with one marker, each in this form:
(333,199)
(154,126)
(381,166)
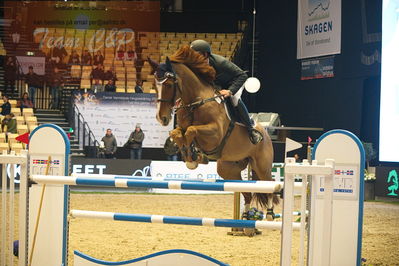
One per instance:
(255,136)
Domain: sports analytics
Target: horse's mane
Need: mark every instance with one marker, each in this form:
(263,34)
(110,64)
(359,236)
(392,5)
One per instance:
(195,61)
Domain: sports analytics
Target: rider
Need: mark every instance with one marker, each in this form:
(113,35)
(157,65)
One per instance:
(230,78)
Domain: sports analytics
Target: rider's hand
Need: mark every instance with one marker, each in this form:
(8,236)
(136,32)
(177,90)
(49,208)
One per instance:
(225,93)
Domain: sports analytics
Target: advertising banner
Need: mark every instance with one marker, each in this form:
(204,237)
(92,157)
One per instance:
(121,112)
(38,64)
(319,28)
(317,68)
(387,182)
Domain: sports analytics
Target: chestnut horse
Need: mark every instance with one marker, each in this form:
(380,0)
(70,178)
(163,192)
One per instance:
(184,84)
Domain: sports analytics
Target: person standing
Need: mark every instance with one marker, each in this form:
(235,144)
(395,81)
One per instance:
(135,143)
(110,144)
(33,81)
(10,74)
(56,83)
(171,149)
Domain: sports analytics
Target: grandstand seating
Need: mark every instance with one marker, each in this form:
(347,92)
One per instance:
(156,45)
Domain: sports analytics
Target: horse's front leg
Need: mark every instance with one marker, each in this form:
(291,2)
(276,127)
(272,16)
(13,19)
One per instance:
(177,136)
(197,131)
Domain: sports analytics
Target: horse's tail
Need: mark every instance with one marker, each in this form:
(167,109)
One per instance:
(265,200)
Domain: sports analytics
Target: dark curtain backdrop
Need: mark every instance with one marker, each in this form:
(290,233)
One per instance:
(350,100)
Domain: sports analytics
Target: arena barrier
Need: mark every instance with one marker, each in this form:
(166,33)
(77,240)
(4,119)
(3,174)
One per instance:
(334,236)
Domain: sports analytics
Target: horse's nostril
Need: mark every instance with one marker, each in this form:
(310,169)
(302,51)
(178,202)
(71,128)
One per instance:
(164,120)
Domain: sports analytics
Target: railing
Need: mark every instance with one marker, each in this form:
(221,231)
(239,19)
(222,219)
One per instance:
(86,139)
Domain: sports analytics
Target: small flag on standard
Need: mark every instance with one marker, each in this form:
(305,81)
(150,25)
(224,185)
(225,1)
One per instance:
(291,145)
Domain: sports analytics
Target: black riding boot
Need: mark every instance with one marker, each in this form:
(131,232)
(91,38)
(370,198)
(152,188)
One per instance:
(254,135)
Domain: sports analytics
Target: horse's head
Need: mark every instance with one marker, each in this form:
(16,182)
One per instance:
(166,88)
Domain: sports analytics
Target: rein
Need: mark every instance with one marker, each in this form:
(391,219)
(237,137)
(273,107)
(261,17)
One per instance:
(194,105)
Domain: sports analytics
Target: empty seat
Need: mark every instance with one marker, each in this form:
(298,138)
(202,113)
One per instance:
(17,147)
(22,129)
(16,111)
(2,137)
(31,127)
(20,120)
(27,112)
(4,147)
(11,138)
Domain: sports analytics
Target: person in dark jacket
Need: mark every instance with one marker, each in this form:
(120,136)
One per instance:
(171,149)
(229,78)
(97,74)
(74,58)
(135,143)
(86,58)
(110,86)
(6,106)
(33,81)
(110,74)
(10,75)
(110,144)
(139,86)
(56,83)
(98,58)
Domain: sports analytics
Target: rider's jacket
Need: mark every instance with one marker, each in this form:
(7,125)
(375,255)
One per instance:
(228,75)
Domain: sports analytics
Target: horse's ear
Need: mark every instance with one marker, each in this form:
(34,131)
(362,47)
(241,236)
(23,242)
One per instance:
(168,64)
(154,65)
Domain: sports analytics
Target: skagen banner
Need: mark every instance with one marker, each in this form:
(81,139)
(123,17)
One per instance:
(319,28)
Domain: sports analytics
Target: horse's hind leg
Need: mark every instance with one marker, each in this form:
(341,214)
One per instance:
(261,170)
(232,171)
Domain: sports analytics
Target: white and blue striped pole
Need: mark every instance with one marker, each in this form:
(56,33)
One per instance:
(212,222)
(243,186)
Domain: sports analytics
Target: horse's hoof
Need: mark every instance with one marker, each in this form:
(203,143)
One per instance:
(249,232)
(191,165)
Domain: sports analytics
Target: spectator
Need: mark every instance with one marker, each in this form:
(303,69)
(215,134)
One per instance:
(6,106)
(297,158)
(120,54)
(138,88)
(97,73)
(25,102)
(86,58)
(171,149)
(135,142)
(74,58)
(33,81)
(56,83)
(131,54)
(97,86)
(110,74)
(58,54)
(110,144)
(16,28)
(110,86)
(10,75)
(11,124)
(98,58)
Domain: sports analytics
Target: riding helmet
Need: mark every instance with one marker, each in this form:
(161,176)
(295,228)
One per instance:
(201,46)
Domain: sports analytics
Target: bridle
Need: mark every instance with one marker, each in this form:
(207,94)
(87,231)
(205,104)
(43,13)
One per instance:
(161,80)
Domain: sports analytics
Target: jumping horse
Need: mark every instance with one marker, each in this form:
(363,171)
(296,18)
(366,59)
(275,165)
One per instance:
(184,85)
